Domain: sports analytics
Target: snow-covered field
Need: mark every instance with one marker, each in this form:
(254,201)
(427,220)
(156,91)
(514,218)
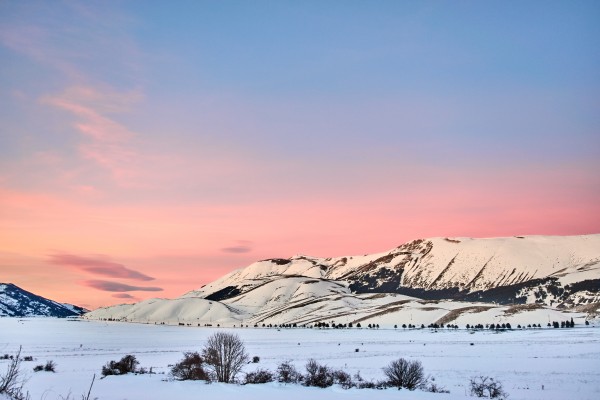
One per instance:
(532,364)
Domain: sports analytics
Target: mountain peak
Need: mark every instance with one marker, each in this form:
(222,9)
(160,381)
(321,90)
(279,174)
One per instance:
(555,272)
(17,302)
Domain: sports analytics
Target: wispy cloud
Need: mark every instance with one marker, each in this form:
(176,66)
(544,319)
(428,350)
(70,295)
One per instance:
(74,39)
(123,296)
(243,246)
(98,266)
(105,141)
(119,287)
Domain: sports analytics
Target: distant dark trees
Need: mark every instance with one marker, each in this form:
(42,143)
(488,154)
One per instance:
(564,324)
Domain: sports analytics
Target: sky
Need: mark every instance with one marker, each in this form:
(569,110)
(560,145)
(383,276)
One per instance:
(149,147)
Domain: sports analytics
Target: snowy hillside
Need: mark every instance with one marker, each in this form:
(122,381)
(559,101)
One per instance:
(422,281)
(16,302)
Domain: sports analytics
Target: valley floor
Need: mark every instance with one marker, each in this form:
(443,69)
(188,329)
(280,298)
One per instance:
(531,364)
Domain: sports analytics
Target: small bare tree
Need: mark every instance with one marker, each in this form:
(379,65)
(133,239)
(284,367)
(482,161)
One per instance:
(484,386)
(225,355)
(11,383)
(405,374)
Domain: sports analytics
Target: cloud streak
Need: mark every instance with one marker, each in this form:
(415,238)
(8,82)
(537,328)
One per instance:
(236,249)
(119,287)
(243,246)
(98,266)
(107,142)
(123,296)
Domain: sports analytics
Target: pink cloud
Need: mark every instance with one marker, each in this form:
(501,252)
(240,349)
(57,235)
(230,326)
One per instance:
(243,246)
(123,296)
(108,142)
(99,266)
(119,287)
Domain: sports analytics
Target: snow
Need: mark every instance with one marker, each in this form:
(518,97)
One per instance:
(564,361)
(15,302)
(305,301)
(307,289)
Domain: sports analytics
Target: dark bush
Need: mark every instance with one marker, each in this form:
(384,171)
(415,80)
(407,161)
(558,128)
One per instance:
(126,365)
(287,373)
(28,358)
(434,388)
(484,386)
(38,368)
(405,374)
(190,368)
(317,375)
(255,359)
(50,366)
(343,379)
(258,376)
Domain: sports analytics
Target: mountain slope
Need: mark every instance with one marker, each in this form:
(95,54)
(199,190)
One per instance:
(423,280)
(16,302)
(498,269)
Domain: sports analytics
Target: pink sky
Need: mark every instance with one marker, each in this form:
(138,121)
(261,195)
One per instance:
(140,158)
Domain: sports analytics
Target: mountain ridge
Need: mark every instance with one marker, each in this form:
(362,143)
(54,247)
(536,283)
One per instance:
(18,302)
(554,273)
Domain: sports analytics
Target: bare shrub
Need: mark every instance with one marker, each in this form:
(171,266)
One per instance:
(485,386)
(50,366)
(405,374)
(434,388)
(123,366)
(343,379)
(11,383)
(89,393)
(83,396)
(317,375)
(190,368)
(225,355)
(287,373)
(371,385)
(258,376)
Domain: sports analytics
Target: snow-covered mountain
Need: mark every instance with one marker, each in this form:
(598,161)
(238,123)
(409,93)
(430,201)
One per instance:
(16,302)
(425,281)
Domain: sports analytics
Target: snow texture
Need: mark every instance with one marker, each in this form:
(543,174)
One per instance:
(532,364)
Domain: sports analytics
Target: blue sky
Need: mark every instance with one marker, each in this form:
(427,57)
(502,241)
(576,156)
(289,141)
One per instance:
(157,135)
